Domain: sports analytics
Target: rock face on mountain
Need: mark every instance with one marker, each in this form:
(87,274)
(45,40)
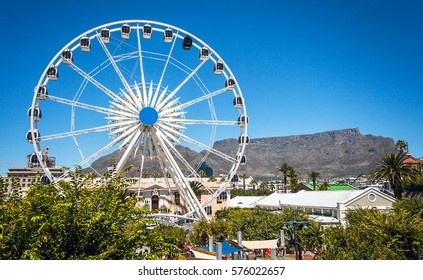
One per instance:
(332,153)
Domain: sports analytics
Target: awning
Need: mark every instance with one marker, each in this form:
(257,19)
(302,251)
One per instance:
(200,253)
(260,244)
(226,248)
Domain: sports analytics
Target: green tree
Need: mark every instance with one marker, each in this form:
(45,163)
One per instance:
(90,176)
(202,230)
(323,187)
(80,222)
(392,168)
(212,179)
(401,145)
(263,185)
(197,188)
(243,176)
(156,175)
(202,174)
(293,175)
(314,175)
(254,183)
(284,168)
(374,235)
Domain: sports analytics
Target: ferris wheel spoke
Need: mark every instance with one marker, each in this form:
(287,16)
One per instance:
(140,58)
(206,147)
(81,105)
(93,81)
(128,151)
(177,154)
(123,126)
(165,67)
(192,102)
(164,102)
(138,95)
(168,132)
(157,98)
(207,122)
(180,180)
(115,66)
(160,98)
(132,100)
(106,147)
(171,125)
(123,108)
(74,133)
(189,76)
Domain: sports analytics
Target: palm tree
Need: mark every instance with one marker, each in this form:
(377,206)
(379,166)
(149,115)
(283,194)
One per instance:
(197,188)
(401,145)
(392,168)
(202,174)
(156,176)
(293,175)
(212,179)
(243,176)
(314,176)
(323,187)
(284,168)
(254,182)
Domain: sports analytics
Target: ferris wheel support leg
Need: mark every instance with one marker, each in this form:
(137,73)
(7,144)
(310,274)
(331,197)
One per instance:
(179,179)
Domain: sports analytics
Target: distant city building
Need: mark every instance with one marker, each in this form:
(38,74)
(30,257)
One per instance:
(33,172)
(162,194)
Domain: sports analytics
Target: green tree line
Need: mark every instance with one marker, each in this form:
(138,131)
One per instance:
(81,222)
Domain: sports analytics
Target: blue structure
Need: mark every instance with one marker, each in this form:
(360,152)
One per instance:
(227,249)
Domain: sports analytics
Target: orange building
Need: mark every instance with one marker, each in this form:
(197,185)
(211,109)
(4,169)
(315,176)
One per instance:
(414,163)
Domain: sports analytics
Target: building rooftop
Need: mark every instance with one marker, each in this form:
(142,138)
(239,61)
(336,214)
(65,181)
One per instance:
(324,199)
(244,201)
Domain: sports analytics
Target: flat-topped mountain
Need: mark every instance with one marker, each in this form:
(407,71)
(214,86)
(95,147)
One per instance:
(332,153)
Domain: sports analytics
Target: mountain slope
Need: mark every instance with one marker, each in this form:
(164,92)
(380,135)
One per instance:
(331,153)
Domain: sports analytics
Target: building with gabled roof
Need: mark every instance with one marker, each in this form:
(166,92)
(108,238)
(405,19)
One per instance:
(328,207)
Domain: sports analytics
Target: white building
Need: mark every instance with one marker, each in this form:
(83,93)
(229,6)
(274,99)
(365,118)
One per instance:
(325,207)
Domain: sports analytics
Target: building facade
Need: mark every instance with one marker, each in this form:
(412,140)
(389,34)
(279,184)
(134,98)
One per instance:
(155,194)
(32,173)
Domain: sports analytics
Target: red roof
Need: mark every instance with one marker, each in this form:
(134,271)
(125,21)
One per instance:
(410,159)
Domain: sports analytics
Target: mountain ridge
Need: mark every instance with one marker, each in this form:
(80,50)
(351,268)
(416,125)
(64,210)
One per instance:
(334,153)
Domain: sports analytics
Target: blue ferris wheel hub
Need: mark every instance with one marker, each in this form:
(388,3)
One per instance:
(148,115)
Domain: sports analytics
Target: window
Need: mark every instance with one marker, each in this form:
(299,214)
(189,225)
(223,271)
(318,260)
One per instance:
(327,212)
(209,210)
(371,197)
(222,197)
(177,198)
(154,202)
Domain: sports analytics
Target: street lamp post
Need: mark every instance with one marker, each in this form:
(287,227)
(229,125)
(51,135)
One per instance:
(295,225)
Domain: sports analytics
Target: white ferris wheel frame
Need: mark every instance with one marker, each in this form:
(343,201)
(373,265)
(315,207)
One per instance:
(127,129)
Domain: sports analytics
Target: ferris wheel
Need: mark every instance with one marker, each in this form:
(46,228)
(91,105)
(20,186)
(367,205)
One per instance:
(142,88)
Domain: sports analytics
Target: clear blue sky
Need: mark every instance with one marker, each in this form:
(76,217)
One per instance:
(303,66)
